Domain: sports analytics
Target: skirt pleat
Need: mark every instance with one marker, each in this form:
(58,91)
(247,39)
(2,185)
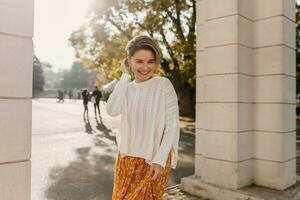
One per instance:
(132,180)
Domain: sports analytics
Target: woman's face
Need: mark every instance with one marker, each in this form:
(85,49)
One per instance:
(142,64)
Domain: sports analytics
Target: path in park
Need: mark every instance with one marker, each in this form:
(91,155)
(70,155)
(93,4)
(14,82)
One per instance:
(72,159)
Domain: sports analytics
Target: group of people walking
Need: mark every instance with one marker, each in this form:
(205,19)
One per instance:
(94,98)
(61,95)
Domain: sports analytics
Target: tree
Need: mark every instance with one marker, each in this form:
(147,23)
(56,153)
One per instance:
(77,77)
(51,77)
(171,22)
(38,77)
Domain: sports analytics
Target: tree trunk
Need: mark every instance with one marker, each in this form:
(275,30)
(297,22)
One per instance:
(186,97)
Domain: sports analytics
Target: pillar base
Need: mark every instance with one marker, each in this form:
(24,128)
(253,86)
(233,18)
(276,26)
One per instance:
(196,186)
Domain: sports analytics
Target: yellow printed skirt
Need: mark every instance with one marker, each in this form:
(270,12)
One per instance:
(132,180)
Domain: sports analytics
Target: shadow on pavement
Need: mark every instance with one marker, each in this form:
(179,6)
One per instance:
(90,177)
(104,131)
(88,127)
(186,153)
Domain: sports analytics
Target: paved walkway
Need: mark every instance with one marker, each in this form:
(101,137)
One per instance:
(73,159)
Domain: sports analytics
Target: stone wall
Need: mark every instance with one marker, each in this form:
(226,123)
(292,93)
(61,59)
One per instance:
(16,49)
(246,93)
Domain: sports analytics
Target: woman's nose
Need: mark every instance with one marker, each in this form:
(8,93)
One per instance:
(145,66)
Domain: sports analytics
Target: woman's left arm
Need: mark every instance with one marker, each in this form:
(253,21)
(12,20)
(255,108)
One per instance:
(171,133)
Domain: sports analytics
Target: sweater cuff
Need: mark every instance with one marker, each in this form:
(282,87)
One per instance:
(158,159)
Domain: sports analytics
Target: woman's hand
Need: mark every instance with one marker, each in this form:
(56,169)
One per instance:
(156,171)
(125,66)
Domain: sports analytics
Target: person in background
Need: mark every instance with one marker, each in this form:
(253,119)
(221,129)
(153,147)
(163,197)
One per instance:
(78,94)
(60,96)
(85,97)
(70,94)
(97,95)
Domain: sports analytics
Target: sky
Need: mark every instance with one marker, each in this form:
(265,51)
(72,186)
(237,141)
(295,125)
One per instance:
(54,21)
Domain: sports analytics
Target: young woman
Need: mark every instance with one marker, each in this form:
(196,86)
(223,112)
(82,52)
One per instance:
(149,132)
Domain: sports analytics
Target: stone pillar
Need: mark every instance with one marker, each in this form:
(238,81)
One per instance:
(274,96)
(245,123)
(224,136)
(16,31)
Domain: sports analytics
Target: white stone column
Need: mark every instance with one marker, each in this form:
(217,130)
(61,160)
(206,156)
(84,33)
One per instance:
(16,31)
(224,94)
(274,83)
(245,121)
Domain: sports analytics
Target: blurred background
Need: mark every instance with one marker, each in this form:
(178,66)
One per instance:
(79,44)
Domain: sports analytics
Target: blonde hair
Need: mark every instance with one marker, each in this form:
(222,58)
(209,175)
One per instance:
(143,42)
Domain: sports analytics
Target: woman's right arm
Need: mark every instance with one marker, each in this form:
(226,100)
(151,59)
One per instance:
(117,97)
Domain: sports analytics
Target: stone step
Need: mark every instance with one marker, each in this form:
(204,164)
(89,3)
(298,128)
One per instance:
(174,193)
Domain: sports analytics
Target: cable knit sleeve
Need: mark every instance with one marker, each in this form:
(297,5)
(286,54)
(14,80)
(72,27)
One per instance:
(170,138)
(117,97)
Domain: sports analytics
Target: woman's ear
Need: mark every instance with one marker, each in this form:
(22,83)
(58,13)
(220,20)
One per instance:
(126,62)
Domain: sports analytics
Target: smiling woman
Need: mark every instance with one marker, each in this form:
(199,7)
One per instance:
(54,21)
(149,131)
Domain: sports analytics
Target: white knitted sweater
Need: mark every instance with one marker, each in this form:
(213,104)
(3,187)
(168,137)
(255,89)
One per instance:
(149,119)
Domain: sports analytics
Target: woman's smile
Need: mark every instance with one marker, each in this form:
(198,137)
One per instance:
(144,72)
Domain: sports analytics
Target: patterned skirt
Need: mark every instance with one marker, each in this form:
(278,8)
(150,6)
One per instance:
(132,180)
